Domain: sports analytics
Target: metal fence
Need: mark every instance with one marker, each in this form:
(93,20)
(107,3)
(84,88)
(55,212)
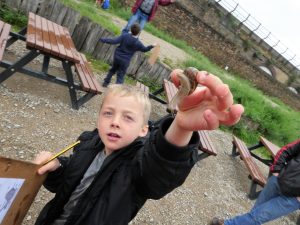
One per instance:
(262,32)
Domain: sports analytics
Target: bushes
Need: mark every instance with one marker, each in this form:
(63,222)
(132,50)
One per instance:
(15,18)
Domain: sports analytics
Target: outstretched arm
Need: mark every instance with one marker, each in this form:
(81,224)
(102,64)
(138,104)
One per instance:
(112,41)
(165,2)
(206,108)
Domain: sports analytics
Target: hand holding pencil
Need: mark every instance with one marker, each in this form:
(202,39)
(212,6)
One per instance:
(48,161)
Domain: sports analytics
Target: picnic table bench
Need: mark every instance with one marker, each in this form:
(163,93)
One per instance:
(53,41)
(206,147)
(256,175)
(263,142)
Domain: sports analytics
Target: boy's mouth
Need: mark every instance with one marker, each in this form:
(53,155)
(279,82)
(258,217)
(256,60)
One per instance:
(113,135)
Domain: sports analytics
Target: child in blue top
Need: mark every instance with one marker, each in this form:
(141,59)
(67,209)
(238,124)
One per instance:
(128,45)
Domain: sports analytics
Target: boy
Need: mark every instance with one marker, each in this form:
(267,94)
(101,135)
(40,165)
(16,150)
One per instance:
(116,168)
(129,44)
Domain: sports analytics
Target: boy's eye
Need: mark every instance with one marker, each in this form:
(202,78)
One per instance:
(128,118)
(107,113)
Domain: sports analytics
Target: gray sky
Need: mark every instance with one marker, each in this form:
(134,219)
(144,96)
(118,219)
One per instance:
(280,17)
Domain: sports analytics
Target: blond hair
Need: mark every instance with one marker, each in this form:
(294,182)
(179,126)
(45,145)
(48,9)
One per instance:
(124,90)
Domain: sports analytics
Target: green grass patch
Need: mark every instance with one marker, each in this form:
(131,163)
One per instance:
(15,18)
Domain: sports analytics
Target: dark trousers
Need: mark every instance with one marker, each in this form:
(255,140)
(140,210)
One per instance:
(120,67)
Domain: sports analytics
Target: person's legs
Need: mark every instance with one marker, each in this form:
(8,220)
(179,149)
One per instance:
(133,19)
(143,20)
(111,72)
(271,190)
(121,73)
(267,211)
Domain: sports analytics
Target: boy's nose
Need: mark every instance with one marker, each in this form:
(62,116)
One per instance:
(115,121)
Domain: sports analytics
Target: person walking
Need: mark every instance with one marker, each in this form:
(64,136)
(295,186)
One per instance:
(144,11)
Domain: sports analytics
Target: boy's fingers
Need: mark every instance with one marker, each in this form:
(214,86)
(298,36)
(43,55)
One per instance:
(212,121)
(209,80)
(225,98)
(50,166)
(234,115)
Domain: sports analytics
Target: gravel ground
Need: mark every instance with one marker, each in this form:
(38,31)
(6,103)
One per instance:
(35,115)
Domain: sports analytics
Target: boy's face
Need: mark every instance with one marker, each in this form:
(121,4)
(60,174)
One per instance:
(120,122)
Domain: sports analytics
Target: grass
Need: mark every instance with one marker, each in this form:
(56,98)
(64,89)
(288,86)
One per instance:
(17,19)
(264,115)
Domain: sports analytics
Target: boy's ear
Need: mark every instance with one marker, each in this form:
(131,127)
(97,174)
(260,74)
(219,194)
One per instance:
(144,131)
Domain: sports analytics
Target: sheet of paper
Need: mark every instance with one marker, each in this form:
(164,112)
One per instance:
(9,188)
(154,55)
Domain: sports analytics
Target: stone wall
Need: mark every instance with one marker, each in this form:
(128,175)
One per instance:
(198,23)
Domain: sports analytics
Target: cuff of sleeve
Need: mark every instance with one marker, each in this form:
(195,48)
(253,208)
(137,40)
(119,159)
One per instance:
(172,152)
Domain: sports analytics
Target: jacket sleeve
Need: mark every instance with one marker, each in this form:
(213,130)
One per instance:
(112,41)
(164,2)
(284,155)
(55,178)
(163,166)
(142,48)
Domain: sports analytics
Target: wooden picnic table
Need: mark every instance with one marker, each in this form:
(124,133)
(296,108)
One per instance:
(52,41)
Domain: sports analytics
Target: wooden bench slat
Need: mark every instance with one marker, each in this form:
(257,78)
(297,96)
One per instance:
(84,83)
(270,146)
(88,80)
(53,41)
(76,55)
(206,144)
(171,91)
(46,38)
(62,51)
(30,38)
(4,34)
(95,81)
(89,74)
(255,173)
(69,54)
(39,44)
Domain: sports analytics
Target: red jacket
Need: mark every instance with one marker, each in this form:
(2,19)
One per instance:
(138,3)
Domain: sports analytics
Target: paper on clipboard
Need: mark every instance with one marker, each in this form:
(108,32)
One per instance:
(19,184)
(154,55)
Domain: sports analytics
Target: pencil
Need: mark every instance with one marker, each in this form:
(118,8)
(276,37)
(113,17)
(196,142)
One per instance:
(62,152)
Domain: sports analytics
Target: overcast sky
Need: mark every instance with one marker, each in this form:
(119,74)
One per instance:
(280,17)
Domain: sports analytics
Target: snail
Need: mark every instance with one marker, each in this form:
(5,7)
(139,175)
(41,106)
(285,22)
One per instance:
(188,84)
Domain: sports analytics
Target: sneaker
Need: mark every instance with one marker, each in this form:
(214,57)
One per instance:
(216,221)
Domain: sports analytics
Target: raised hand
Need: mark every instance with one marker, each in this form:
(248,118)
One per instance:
(210,105)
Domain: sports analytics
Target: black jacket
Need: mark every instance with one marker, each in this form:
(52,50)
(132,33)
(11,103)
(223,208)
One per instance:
(149,168)
(287,164)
